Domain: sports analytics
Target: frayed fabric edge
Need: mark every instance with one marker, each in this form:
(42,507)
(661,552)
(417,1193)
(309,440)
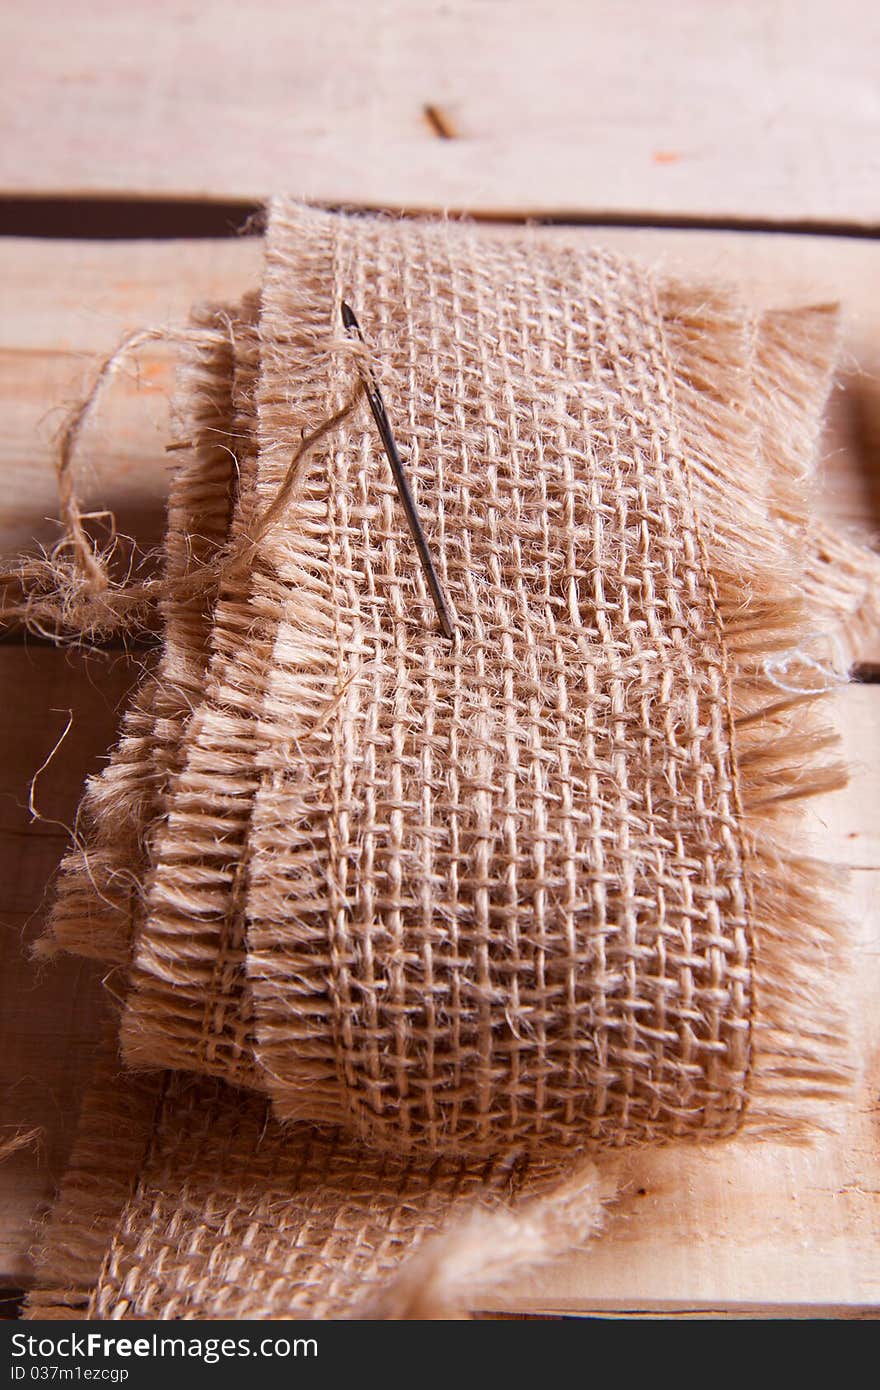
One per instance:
(755,487)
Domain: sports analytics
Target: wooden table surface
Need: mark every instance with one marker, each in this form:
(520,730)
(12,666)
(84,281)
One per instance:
(731,141)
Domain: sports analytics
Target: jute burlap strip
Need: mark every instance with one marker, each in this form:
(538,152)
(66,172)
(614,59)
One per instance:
(496,893)
(521,896)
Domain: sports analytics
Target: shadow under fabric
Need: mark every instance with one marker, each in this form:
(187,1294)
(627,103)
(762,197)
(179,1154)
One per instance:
(415,934)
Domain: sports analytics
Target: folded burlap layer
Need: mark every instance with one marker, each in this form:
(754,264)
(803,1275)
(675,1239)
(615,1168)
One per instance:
(490,903)
(186,1199)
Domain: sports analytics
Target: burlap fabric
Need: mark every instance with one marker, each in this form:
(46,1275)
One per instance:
(475,909)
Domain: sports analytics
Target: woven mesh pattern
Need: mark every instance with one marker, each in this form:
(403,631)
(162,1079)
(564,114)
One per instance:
(493,891)
(234,1216)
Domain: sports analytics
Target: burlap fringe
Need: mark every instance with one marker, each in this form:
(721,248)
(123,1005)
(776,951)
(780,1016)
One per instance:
(13,1140)
(754,484)
(103,870)
(101,874)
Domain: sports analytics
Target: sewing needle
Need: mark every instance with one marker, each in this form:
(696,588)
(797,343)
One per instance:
(380,415)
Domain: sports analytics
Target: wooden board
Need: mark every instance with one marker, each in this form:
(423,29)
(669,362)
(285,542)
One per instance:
(754,111)
(68,304)
(735,1228)
(50,1014)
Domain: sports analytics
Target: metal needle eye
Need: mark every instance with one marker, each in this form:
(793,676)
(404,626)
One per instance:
(380,415)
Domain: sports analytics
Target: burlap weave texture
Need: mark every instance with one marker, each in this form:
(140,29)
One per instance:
(506,899)
(495,890)
(490,893)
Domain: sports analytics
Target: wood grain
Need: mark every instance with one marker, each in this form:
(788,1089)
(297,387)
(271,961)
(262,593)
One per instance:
(580,108)
(68,304)
(50,1013)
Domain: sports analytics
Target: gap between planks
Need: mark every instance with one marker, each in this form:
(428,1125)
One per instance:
(93,218)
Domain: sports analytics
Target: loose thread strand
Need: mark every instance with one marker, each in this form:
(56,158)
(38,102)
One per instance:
(67,593)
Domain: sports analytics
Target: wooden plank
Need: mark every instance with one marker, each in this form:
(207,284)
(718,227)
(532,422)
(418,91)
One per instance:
(67,304)
(579,108)
(761,1226)
(50,1016)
